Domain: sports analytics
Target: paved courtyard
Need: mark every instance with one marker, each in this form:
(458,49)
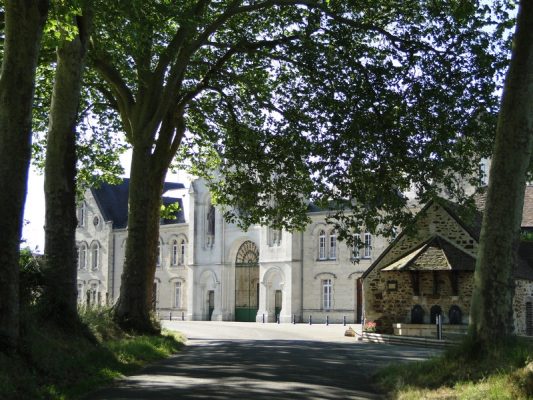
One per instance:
(232,360)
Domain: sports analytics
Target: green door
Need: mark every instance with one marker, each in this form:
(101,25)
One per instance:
(246,282)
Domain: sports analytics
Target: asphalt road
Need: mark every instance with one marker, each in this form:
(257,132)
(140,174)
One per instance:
(229,360)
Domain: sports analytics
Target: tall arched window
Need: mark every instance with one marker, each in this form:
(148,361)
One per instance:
(175,253)
(322,245)
(332,245)
(82,256)
(158,261)
(183,246)
(82,214)
(95,256)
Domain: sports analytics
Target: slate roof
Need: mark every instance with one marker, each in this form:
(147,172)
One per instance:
(527,212)
(112,200)
(436,254)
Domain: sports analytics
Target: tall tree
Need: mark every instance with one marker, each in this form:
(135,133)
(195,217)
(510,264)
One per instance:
(278,91)
(23,30)
(60,298)
(492,303)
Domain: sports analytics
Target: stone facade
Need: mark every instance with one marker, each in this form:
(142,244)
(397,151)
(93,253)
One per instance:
(396,282)
(200,277)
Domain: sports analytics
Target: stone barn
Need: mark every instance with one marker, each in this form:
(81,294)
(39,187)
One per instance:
(428,270)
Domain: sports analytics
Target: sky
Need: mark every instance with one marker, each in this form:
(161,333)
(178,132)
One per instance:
(33,230)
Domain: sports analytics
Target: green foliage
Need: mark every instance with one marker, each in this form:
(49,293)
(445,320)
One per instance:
(31,277)
(463,373)
(53,365)
(170,211)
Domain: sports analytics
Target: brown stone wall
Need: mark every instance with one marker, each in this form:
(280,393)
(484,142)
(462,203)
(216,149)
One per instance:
(380,300)
(523,294)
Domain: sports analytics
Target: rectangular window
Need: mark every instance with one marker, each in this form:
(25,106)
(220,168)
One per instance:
(326,294)
(177,294)
(368,245)
(333,247)
(356,254)
(322,247)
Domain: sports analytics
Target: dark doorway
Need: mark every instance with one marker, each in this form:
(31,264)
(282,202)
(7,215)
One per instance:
(277,302)
(434,311)
(417,315)
(359,300)
(211,304)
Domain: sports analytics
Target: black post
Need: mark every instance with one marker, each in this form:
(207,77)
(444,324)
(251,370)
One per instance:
(310,320)
(294,318)
(263,318)
(439,326)
(277,318)
(327,320)
(344,320)
(182,316)
(170,315)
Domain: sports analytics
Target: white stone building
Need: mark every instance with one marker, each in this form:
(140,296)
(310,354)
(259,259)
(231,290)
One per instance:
(211,270)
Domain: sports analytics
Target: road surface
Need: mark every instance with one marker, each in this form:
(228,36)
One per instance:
(232,360)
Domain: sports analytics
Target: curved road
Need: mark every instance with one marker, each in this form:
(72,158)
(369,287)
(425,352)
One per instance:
(232,360)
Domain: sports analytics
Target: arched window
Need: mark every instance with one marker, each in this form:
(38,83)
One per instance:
(332,245)
(82,256)
(95,256)
(210,222)
(81,214)
(175,252)
(322,245)
(183,246)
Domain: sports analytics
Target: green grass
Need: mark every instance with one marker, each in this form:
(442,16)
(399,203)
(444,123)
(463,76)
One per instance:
(54,365)
(504,373)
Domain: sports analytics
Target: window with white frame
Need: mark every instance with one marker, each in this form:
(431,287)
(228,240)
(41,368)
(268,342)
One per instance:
(356,254)
(332,245)
(327,291)
(368,245)
(95,256)
(177,294)
(158,262)
(81,214)
(183,246)
(322,245)
(175,253)
(82,256)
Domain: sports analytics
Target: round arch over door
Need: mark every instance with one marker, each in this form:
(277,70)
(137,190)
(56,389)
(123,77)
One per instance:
(247,282)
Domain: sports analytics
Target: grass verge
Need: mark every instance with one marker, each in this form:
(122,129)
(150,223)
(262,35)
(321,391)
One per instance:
(56,366)
(504,373)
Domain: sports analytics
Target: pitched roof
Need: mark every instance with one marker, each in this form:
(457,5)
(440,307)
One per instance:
(436,254)
(112,200)
(527,212)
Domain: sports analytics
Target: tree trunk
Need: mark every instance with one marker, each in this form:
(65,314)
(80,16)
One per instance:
(60,297)
(132,311)
(492,312)
(23,31)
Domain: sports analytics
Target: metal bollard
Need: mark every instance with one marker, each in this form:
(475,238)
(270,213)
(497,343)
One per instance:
(277,318)
(310,320)
(344,320)
(182,316)
(170,315)
(439,326)
(327,320)
(294,318)
(263,318)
